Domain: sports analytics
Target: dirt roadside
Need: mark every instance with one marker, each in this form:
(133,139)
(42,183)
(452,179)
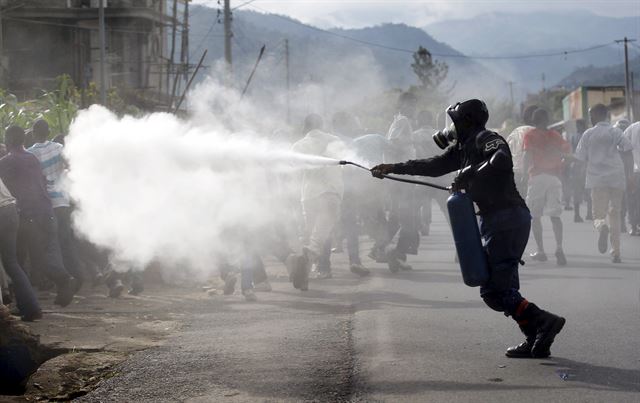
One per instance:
(90,337)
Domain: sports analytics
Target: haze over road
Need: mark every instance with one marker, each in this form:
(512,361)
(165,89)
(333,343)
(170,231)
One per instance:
(414,336)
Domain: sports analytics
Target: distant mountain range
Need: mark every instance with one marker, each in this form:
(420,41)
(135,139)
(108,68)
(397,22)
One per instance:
(603,76)
(536,33)
(511,33)
(325,58)
(321,60)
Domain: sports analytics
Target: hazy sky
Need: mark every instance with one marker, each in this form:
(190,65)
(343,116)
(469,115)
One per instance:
(359,13)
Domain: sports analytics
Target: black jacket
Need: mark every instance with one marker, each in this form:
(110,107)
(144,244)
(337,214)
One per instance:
(491,192)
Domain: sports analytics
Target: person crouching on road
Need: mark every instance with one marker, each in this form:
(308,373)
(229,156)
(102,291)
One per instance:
(486,172)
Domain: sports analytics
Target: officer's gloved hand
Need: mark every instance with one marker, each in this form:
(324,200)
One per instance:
(464,176)
(383,169)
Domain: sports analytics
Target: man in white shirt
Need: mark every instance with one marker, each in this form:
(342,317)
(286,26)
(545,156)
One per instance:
(607,153)
(516,142)
(403,207)
(322,190)
(633,135)
(426,148)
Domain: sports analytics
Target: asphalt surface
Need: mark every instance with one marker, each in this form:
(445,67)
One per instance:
(412,336)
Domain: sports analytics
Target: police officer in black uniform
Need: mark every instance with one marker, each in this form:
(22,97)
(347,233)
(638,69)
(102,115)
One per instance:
(483,160)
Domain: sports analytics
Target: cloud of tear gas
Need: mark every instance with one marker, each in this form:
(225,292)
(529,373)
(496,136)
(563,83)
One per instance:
(324,80)
(181,192)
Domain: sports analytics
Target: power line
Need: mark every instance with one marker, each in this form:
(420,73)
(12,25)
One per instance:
(246,3)
(233,37)
(252,41)
(279,62)
(275,49)
(336,34)
(444,55)
(237,28)
(206,37)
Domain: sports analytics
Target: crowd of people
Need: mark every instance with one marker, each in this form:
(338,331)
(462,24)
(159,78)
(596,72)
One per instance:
(559,172)
(553,172)
(38,245)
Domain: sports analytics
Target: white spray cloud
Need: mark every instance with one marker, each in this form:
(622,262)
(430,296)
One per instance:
(172,190)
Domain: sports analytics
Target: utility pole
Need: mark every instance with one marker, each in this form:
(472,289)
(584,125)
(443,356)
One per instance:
(181,70)
(2,72)
(174,28)
(103,89)
(227,38)
(633,100)
(286,64)
(185,42)
(1,38)
(627,86)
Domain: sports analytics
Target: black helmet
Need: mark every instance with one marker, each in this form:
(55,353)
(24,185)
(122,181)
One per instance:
(473,111)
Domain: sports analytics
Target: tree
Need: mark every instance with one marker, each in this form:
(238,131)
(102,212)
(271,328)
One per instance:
(431,73)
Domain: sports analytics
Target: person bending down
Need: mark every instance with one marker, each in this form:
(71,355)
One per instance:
(486,172)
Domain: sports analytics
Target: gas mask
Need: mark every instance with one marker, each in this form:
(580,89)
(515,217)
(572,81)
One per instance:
(444,138)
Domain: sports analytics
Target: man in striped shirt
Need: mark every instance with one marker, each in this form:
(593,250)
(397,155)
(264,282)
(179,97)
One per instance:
(22,174)
(54,167)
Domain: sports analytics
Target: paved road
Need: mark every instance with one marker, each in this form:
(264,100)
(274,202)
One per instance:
(415,336)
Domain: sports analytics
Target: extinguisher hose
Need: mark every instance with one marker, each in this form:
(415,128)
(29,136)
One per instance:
(395,178)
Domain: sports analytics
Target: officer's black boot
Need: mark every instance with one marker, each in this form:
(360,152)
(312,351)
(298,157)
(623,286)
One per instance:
(546,325)
(523,350)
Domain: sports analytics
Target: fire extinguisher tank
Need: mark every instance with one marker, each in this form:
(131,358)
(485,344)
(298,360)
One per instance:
(466,235)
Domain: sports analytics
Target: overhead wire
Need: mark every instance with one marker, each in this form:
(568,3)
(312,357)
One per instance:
(346,37)
(246,3)
(207,35)
(233,38)
(237,28)
(443,55)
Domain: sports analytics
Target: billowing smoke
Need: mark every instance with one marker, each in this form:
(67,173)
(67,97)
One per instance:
(182,192)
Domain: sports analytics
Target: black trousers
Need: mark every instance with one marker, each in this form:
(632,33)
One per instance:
(505,233)
(403,221)
(68,243)
(633,202)
(39,235)
(350,228)
(25,296)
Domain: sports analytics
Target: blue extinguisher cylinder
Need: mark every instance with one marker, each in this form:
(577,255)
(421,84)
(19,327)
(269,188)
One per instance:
(466,235)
